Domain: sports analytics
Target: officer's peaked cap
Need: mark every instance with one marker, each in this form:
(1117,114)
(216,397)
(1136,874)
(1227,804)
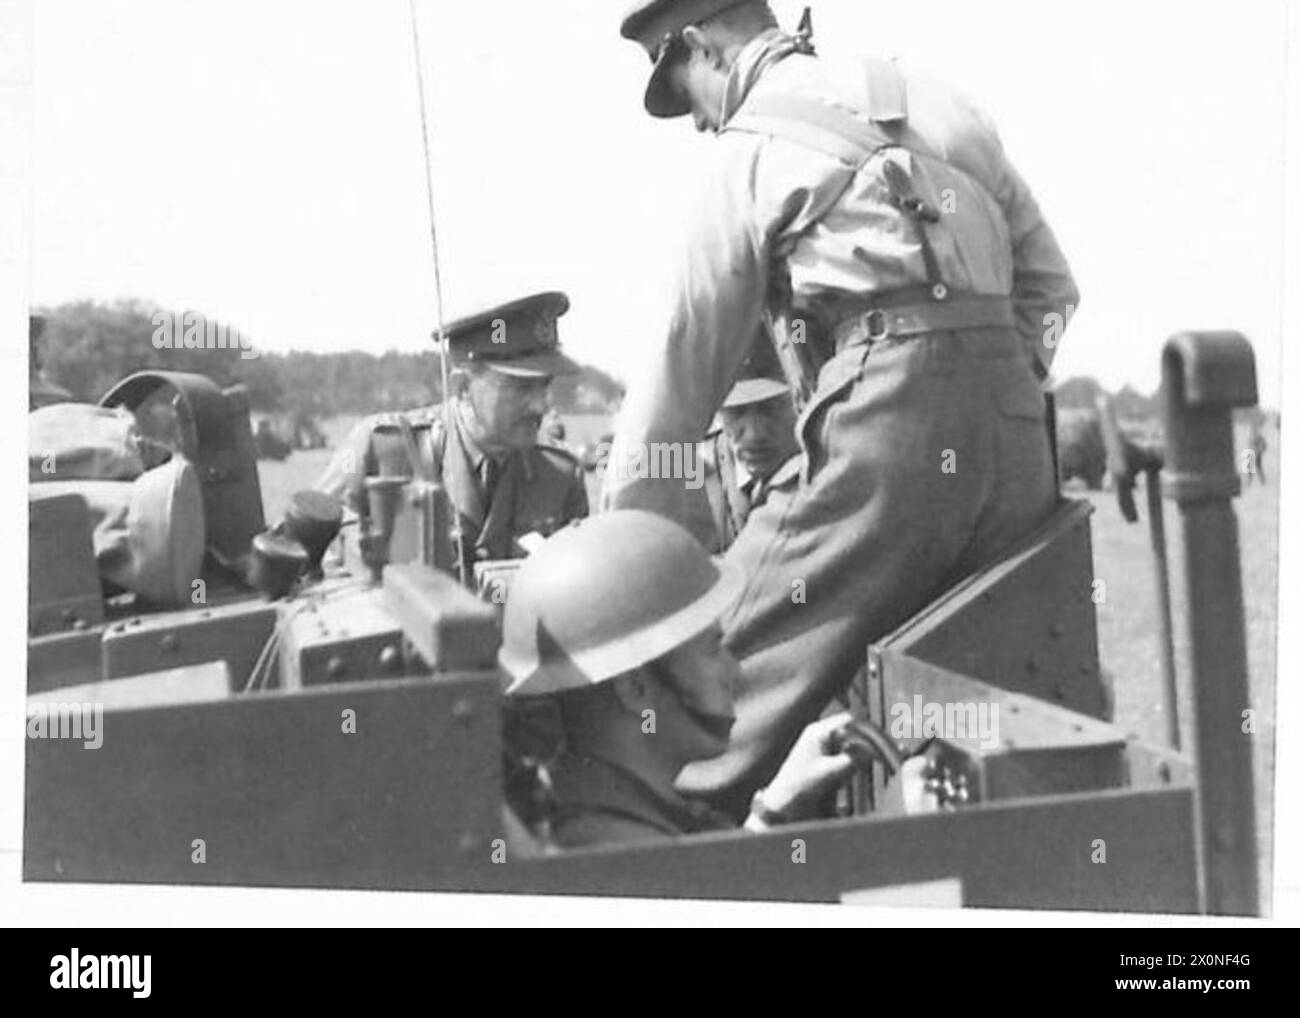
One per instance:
(518,338)
(654,24)
(749,391)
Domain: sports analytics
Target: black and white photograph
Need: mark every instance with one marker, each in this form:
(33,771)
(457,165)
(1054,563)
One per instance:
(567,462)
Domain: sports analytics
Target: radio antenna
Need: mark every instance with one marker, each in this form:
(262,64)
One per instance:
(440,337)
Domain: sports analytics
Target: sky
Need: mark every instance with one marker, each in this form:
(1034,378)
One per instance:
(261,162)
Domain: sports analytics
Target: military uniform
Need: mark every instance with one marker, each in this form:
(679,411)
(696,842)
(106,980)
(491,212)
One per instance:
(597,803)
(919,297)
(733,492)
(495,500)
(536,490)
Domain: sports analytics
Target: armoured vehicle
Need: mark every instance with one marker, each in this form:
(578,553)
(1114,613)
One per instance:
(341,726)
(269,445)
(1080,450)
(277,435)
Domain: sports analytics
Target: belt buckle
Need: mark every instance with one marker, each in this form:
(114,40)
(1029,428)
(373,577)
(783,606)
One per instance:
(877,323)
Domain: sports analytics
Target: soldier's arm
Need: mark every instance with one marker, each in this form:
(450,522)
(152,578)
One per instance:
(1043,289)
(719,294)
(714,491)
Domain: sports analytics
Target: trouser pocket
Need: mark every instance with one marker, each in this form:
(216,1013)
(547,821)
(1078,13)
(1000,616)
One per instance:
(837,377)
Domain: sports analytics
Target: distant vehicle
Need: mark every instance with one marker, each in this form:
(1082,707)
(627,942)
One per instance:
(269,445)
(306,433)
(1080,448)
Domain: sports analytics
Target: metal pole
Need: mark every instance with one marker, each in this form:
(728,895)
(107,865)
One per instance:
(1124,461)
(436,511)
(1206,375)
(1156,519)
(428,193)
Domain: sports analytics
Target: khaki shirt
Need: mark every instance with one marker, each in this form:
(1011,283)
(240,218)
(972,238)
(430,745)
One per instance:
(535,490)
(773,204)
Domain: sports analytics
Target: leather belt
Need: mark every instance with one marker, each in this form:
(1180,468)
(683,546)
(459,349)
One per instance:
(875,319)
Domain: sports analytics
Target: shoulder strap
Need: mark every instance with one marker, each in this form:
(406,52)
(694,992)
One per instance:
(834,130)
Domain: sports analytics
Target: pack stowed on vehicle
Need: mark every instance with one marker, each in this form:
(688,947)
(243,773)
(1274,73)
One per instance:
(144,500)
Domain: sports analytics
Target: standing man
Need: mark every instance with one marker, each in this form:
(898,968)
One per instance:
(914,293)
(1258,445)
(503,484)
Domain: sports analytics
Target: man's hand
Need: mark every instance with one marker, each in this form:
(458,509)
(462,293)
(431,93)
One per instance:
(812,769)
(916,798)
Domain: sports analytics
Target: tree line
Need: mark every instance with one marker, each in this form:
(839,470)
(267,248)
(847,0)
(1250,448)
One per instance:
(89,346)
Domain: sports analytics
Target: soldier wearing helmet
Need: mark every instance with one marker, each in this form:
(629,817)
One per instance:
(502,480)
(869,217)
(611,635)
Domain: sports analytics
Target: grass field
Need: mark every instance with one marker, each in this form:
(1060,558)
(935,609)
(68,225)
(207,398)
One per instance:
(1126,622)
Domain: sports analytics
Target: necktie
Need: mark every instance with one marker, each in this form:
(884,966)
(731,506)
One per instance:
(489,473)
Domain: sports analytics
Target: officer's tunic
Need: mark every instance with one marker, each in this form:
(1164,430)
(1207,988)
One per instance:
(925,455)
(597,803)
(534,490)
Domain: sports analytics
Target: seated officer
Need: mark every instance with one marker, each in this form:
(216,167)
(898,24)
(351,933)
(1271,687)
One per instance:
(751,453)
(612,642)
(502,482)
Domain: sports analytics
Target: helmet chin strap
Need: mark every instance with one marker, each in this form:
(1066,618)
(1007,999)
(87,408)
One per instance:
(711,723)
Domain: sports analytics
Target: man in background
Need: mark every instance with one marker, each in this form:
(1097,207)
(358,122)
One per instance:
(751,453)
